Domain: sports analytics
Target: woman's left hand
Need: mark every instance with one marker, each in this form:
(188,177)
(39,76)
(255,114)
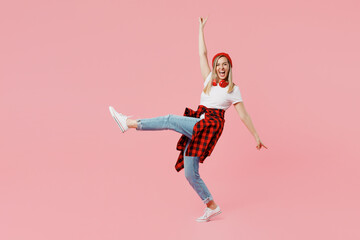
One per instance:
(259,144)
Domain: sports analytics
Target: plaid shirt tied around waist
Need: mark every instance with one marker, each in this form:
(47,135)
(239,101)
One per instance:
(206,133)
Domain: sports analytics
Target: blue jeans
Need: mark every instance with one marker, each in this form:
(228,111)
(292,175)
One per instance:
(183,125)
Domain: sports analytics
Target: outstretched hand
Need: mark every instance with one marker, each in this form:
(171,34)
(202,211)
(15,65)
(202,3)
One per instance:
(202,21)
(260,144)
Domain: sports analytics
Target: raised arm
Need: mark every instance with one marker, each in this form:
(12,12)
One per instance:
(204,64)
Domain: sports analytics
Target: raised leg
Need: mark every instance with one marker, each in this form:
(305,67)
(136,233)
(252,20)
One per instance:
(180,124)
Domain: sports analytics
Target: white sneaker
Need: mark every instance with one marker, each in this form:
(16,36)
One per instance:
(209,213)
(119,118)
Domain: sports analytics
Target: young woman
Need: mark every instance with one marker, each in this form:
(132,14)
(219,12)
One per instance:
(202,128)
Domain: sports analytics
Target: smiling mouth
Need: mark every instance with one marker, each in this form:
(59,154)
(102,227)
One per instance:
(222,74)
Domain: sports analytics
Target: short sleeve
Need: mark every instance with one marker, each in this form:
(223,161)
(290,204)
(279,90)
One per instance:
(235,95)
(207,79)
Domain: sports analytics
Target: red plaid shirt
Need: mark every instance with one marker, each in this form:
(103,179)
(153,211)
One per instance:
(205,136)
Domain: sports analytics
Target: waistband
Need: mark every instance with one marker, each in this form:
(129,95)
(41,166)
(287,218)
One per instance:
(215,112)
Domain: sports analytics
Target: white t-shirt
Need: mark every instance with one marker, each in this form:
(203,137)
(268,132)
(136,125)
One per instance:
(219,97)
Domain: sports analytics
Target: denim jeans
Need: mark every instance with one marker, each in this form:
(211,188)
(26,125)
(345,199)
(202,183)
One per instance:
(183,125)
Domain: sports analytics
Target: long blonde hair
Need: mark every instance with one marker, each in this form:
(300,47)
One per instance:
(215,76)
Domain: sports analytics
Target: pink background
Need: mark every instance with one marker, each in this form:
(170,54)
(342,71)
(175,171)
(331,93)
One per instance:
(67,171)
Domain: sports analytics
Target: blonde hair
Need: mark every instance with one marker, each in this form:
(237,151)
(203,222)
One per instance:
(215,76)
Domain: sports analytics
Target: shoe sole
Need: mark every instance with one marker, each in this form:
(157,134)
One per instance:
(208,219)
(112,112)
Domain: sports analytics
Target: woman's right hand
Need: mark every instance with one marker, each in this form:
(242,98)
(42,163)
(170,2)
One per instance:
(202,21)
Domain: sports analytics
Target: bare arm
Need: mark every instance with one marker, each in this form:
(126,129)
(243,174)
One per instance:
(204,64)
(246,119)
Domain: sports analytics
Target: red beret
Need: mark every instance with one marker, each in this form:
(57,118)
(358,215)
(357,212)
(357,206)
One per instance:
(222,53)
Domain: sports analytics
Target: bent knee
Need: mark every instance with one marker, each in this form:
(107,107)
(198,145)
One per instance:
(169,121)
(168,117)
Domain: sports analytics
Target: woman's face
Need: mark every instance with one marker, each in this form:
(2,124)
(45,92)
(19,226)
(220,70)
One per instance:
(222,68)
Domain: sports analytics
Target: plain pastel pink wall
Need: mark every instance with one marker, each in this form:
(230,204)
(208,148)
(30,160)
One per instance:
(67,172)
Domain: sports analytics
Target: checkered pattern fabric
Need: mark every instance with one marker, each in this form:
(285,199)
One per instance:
(205,136)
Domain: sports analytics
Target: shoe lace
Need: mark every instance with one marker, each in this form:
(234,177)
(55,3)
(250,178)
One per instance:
(206,212)
(123,115)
